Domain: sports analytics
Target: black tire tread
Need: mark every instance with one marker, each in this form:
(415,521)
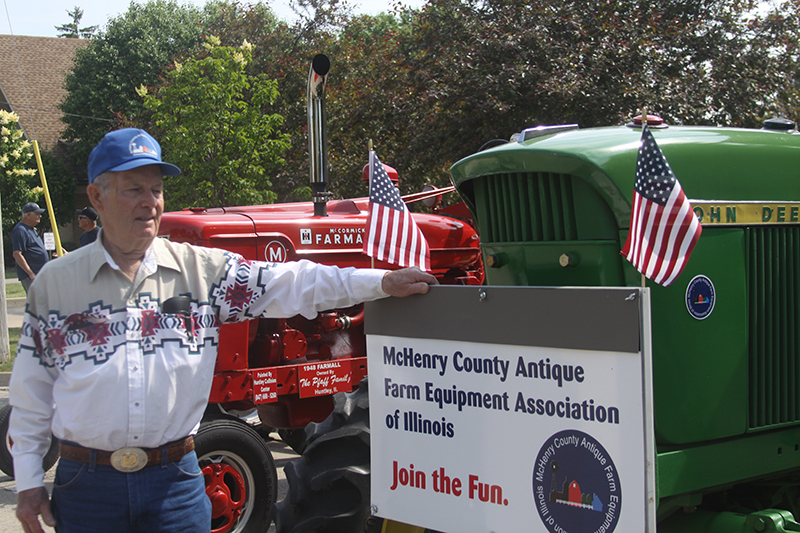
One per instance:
(329,485)
(6,459)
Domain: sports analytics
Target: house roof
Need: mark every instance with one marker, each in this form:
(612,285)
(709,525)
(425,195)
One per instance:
(42,62)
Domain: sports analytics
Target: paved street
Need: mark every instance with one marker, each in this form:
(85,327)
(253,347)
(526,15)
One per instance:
(281,453)
(14,310)
(14,307)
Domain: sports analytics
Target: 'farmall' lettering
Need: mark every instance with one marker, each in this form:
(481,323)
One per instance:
(323,378)
(340,237)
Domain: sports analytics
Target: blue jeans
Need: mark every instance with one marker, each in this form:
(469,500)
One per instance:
(165,498)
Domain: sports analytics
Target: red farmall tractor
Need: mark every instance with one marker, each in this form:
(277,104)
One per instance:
(287,370)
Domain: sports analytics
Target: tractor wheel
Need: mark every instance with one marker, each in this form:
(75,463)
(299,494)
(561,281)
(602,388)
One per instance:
(329,484)
(240,476)
(6,460)
(294,438)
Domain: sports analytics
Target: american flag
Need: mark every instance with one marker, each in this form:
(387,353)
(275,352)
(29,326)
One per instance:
(663,229)
(392,234)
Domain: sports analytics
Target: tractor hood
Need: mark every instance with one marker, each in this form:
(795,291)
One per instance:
(291,231)
(728,164)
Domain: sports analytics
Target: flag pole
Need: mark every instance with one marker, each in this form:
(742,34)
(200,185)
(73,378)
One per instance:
(369,145)
(644,122)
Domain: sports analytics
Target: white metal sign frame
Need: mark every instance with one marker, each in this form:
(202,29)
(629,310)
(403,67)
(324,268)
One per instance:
(513,433)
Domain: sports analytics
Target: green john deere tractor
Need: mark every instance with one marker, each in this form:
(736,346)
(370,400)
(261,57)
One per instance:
(553,208)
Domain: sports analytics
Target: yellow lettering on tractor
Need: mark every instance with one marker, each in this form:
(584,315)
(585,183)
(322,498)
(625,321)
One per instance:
(716,213)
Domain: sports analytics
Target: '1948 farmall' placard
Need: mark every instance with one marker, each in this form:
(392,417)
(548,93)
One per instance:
(512,409)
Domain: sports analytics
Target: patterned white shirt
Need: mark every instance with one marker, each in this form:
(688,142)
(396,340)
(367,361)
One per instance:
(98,363)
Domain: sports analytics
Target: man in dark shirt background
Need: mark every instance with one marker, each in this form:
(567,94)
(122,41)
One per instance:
(87,220)
(29,252)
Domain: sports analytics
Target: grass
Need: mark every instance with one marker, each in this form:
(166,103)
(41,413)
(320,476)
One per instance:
(13,337)
(15,290)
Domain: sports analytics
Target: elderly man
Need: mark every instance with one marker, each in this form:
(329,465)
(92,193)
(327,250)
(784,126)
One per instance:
(102,365)
(29,252)
(87,220)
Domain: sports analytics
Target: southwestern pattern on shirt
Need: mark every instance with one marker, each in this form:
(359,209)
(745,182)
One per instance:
(244,283)
(96,334)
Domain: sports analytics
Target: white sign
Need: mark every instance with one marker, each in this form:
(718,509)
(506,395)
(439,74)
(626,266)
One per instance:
(49,240)
(471,437)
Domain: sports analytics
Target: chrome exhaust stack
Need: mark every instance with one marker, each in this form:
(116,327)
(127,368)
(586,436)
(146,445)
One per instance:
(318,133)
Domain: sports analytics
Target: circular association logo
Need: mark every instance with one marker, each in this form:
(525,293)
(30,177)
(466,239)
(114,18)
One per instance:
(700,297)
(576,485)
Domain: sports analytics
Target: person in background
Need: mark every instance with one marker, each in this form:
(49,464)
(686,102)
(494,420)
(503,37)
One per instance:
(87,220)
(29,253)
(121,375)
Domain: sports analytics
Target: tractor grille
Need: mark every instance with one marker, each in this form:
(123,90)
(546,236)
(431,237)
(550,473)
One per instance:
(774,324)
(526,206)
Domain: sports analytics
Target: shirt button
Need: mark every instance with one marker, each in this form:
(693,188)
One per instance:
(136,404)
(136,437)
(135,368)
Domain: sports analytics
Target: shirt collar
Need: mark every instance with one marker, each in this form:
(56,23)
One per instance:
(157,255)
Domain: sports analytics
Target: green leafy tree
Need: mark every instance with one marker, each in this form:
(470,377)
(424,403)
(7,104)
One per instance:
(61,186)
(73,30)
(18,175)
(444,80)
(217,123)
(430,86)
(133,50)
(369,98)
(283,52)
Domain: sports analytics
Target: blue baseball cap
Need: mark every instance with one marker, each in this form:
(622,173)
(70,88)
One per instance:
(127,149)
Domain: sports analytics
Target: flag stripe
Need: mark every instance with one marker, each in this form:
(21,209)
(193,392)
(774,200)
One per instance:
(678,231)
(663,227)
(665,221)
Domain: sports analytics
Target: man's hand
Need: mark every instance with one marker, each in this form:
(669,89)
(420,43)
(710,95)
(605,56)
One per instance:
(23,264)
(407,281)
(30,504)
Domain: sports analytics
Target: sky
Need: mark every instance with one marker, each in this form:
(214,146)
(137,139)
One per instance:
(39,17)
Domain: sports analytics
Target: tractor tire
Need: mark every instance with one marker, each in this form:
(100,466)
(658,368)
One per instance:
(7,461)
(240,476)
(295,439)
(329,484)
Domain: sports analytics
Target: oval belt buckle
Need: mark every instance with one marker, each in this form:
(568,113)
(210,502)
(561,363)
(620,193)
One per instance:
(129,459)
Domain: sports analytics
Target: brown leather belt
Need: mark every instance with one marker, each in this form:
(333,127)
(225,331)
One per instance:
(128,459)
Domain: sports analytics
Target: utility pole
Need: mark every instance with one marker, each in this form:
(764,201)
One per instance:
(5,349)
